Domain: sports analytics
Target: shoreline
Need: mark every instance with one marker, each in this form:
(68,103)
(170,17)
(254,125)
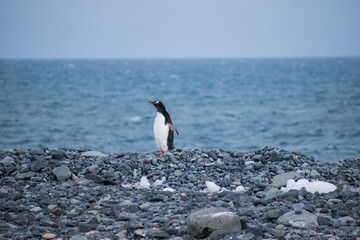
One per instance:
(76,193)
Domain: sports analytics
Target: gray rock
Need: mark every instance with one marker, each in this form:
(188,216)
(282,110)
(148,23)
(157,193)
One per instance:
(274,157)
(257,157)
(281,179)
(93,154)
(323,221)
(343,221)
(37,165)
(298,206)
(26,175)
(78,237)
(62,173)
(272,193)
(125,206)
(218,234)
(287,156)
(203,222)
(156,233)
(299,219)
(314,173)
(239,153)
(89,225)
(36,151)
(9,164)
(56,153)
(178,173)
(248,236)
(273,214)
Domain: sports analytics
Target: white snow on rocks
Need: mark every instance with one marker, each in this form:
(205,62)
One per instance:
(315,186)
(211,187)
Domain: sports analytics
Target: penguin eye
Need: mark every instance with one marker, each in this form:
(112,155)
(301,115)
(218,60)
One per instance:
(156,102)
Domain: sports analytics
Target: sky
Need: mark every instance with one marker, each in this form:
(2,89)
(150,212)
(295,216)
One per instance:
(99,29)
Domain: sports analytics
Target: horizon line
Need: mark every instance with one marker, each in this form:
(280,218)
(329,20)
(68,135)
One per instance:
(179,58)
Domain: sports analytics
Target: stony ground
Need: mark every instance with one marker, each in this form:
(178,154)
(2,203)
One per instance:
(80,194)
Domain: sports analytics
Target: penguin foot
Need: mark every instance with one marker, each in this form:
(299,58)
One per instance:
(162,153)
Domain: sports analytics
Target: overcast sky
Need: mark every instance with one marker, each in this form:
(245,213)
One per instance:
(178,29)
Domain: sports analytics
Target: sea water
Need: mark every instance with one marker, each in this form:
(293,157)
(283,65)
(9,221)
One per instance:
(306,105)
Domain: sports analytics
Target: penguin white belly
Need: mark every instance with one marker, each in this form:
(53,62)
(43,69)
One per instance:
(161,132)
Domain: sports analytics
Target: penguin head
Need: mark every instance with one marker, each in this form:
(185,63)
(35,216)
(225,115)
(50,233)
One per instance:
(159,106)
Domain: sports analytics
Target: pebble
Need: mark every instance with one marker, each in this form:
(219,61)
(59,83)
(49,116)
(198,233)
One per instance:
(48,236)
(79,194)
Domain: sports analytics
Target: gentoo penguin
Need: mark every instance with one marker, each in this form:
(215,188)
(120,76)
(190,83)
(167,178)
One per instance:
(163,129)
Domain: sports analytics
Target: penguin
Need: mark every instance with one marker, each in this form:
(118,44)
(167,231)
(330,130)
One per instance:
(163,129)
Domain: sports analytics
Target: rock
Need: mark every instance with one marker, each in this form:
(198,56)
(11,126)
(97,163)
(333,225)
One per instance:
(343,221)
(272,214)
(178,173)
(258,232)
(56,153)
(89,225)
(218,234)
(281,179)
(323,221)
(272,193)
(78,237)
(257,157)
(37,165)
(239,153)
(125,206)
(156,233)
(36,151)
(203,222)
(62,173)
(287,156)
(93,154)
(26,175)
(299,218)
(9,164)
(248,236)
(314,173)
(274,157)
(140,232)
(48,236)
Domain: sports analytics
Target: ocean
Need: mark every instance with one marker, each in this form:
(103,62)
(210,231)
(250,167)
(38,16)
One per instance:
(311,105)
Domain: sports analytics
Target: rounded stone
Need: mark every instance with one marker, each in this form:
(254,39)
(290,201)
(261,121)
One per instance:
(48,236)
(62,173)
(203,222)
(299,218)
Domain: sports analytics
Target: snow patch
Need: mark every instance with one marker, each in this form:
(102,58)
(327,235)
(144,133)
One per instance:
(315,186)
(144,182)
(239,189)
(212,187)
(159,182)
(168,189)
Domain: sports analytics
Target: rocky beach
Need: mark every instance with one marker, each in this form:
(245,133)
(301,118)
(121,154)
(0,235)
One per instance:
(80,194)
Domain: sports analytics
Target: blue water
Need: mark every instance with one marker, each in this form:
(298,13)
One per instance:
(306,105)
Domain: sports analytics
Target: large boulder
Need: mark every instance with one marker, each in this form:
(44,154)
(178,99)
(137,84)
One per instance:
(299,218)
(203,222)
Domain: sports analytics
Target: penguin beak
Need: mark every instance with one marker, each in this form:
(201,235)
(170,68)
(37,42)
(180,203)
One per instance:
(151,102)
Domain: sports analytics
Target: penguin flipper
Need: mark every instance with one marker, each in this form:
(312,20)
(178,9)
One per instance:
(172,128)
